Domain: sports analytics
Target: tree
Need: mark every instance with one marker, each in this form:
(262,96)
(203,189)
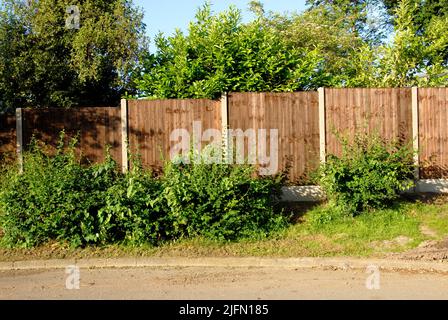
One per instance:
(426,10)
(220,53)
(326,29)
(358,16)
(410,55)
(46,64)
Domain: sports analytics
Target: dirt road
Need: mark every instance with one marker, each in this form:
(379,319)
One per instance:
(220,283)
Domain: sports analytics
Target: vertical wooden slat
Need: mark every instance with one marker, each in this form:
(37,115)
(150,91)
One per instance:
(151,123)
(433,133)
(294,115)
(8,137)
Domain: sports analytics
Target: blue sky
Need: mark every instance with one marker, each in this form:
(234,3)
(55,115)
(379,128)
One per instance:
(167,15)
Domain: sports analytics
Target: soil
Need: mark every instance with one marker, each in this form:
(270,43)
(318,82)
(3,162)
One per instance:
(430,250)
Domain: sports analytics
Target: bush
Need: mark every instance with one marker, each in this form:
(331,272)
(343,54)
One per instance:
(370,173)
(57,198)
(133,210)
(220,201)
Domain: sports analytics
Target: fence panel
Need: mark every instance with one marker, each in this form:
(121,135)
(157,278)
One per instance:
(151,122)
(433,132)
(7,135)
(97,128)
(385,111)
(294,115)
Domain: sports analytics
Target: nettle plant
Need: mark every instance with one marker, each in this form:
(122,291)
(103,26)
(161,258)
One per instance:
(219,200)
(58,198)
(370,173)
(55,198)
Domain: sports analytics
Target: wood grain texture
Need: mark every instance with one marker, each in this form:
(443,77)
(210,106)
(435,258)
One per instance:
(387,112)
(151,123)
(7,135)
(96,128)
(433,132)
(294,115)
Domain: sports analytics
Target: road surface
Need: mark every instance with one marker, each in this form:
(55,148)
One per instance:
(220,283)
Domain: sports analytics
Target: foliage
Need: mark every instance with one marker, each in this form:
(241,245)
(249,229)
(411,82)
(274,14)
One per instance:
(45,64)
(358,16)
(332,43)
(133,210)
(412,58)
(325,30)
(425,11)
(369,174)
(220,201)
(220,54)
(57,198)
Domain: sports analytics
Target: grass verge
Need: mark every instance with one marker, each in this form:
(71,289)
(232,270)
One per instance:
(373,234)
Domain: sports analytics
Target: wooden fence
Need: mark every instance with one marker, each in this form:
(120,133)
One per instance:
(306,123)
(294,115)
(150,123)
(94,128)
(384,111)
(433,132)
(7,135)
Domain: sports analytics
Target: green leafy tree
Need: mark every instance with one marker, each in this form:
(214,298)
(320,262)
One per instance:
(327,30)
(426,10)
(45,64)
(358,16)
(220,53)
(409,59)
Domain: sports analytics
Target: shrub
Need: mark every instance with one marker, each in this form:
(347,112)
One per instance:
(220,201)
(55,198)
(133,210)
(370,173)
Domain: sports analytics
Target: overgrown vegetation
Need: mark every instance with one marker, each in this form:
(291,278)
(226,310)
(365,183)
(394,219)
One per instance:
(57,198)
(193,209)
(378,234)
(220,201)
(370,173)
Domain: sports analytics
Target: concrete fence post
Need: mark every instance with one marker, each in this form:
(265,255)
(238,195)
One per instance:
(124,136)
(322,123)
(415,132)
(225,123)
(19,136)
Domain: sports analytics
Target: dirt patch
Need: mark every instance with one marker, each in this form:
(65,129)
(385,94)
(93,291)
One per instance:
(399,241)
(430,250)
(425,230)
